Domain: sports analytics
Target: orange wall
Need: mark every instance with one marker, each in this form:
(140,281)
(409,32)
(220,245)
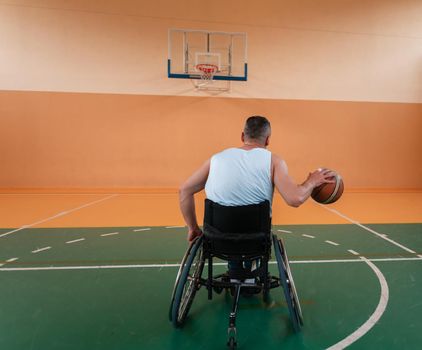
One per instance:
(347,50)
(110,117)
(104,140)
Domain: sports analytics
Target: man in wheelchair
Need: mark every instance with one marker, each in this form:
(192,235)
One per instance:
(239,185)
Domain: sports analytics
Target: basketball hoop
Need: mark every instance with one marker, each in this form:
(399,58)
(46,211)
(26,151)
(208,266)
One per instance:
(207,71)
(203,79)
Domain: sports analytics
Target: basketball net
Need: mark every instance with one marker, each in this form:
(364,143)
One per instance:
(207,72)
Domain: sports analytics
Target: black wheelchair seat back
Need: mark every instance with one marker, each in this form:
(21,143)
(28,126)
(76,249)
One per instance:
(242,231)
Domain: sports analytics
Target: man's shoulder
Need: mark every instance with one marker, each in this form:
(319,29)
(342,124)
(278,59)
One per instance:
(276,160)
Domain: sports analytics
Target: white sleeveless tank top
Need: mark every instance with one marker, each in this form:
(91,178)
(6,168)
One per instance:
(240,177)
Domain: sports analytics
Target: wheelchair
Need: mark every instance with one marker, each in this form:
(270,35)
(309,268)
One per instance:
(242,236)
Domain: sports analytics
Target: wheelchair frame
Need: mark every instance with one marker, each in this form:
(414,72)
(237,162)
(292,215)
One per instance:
(189,280)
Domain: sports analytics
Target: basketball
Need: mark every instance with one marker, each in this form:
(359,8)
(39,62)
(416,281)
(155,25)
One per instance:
(328,193)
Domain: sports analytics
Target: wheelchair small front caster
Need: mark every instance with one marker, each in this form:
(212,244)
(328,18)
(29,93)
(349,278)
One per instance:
(232,344)
(218,290)
(266,296)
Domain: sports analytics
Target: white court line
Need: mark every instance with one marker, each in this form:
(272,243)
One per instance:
(332,243)
(58,215)
(75,240)
(353,252)
(12,260)
(309,236)
(348,260)
(284,231)
(109,234)
(139,266)
(40,250)
(419,256)
(369,229)
(371,321)
(175,226)
(93,267)
(142,229)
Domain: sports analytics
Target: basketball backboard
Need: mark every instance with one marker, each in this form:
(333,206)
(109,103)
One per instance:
(188,50)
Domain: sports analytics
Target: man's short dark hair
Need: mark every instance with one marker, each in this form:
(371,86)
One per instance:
(257,128)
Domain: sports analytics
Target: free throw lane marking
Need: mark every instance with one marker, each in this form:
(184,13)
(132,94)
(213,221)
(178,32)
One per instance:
(75,240)
(109,234)
(382,304)
(175,226)
(40,250)
(58,215)
(12,260)
(353,252)
(284,231)
(309,236)
(368,229)
(332,243)
(142,229)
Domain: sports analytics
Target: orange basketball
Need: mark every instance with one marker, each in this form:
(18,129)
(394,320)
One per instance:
(329,192)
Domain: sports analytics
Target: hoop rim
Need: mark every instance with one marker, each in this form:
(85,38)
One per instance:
(207,68)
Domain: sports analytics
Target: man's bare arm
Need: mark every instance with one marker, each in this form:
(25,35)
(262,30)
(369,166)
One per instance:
(294,194)
(191,186)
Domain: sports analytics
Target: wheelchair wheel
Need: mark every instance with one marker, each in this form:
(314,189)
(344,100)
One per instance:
(187,283)
(292,283)
(287,283)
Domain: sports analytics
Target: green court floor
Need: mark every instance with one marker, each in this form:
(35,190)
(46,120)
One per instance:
(109,288)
